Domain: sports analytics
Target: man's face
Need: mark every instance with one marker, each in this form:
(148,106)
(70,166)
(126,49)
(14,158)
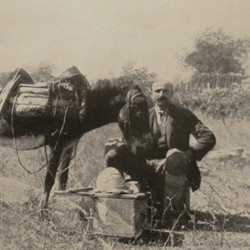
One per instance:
(162,93)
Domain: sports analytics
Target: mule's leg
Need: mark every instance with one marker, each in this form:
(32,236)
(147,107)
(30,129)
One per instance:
(64,167)
(55,156)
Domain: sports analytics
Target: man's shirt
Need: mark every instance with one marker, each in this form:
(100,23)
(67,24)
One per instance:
(161,118)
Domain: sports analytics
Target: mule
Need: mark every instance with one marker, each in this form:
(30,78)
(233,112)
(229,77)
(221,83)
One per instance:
(102,106)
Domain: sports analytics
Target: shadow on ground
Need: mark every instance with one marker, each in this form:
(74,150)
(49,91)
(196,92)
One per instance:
(199,222)
(221,222)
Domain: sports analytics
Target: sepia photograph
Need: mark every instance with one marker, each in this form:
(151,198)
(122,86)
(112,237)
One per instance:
(124,124)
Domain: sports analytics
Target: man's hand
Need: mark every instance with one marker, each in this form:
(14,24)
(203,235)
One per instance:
(187,156)
(176,162)
(160,168)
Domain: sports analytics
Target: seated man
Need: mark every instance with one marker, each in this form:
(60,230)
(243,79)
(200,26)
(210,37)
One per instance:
(171,127)
(167,167)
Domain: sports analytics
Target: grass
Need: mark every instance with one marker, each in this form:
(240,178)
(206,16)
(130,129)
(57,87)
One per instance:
(230,133)
(222,204)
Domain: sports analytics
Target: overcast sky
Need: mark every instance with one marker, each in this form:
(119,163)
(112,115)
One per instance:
(101,36)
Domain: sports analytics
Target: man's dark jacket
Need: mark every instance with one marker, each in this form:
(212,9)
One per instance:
(180,124)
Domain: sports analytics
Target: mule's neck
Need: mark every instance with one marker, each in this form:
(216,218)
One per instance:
(103,106)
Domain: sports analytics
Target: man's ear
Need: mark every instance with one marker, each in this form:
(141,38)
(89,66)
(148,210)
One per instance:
(172,91)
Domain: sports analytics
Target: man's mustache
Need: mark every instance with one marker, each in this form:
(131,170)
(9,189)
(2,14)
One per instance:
(162,99)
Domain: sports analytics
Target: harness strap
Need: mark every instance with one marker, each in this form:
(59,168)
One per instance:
(15,142)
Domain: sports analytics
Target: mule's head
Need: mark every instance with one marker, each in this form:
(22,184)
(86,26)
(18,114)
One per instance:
(134,122)
(105,101)
(120,88)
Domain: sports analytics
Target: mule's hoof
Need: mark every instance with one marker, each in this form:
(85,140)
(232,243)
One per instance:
(43,210)
(43,213)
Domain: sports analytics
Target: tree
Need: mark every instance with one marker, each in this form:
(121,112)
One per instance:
(217,52)
(43,73)
(141,76)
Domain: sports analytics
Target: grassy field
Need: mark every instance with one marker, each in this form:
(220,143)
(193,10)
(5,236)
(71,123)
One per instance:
(221,206)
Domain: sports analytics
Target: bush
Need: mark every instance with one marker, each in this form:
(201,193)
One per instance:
(218,103)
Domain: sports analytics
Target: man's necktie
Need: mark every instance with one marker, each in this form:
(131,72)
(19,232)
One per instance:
(163,117)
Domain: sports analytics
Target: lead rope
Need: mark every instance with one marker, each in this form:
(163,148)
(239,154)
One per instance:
(15,143)
(128,120)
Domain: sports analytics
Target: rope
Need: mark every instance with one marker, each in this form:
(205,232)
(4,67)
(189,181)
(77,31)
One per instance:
(71,164)
(15,143)
(46,154)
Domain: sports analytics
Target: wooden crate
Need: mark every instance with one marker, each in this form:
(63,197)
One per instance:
(123,215)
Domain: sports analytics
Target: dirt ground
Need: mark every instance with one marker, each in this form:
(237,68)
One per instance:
(221,212)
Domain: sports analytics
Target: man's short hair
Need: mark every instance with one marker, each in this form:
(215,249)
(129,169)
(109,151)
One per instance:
(165,84)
